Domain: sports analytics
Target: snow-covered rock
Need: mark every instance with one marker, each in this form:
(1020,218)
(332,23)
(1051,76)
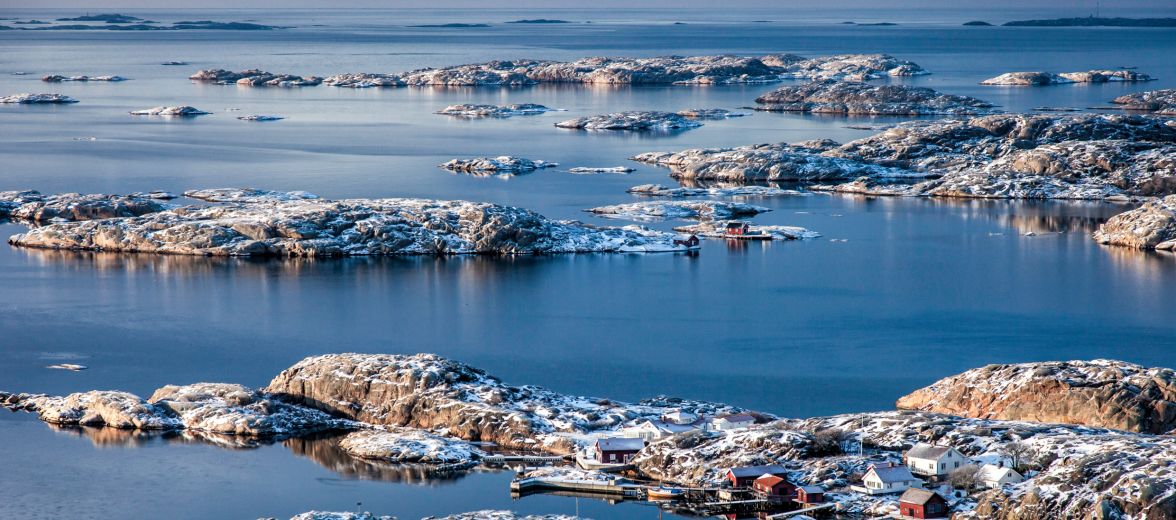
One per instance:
(1150,226)
(606,169)
(57,78)
(1102,393)
(497,165)
(470,110)
(430,392)
(316,227)
(766,162)
(259,117)
(658,190)
(1050,78)
(38,99)
(408,446)
(634,120)
(94,408)
(852,67)
(181,111)
(1161,102)
(856,98)
(35,207)
(255,78)
(490,514)
(717,229)
(338,515)
(363,80)
(678,209)
(247,195)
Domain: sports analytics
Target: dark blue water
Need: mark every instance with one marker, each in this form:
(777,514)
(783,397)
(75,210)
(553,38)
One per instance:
(918,289)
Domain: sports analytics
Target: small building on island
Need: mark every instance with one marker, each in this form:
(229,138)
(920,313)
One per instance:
(618,450)
(732,421)
(929,460)
(995,476)
(921,503)
(882,479)
(744,476)
(810,494)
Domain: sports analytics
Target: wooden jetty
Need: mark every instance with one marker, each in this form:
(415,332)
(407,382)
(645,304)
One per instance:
(529,460)
(610,488)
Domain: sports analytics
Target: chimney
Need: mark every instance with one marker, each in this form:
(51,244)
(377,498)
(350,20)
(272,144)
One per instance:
(890,464)
(1000,464)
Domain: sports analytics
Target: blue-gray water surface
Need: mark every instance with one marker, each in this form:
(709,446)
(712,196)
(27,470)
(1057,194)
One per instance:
(895,294)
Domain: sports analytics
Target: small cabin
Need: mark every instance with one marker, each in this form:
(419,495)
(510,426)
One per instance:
(996,476)
(743,476)
(921,503)
(737,228)
(888,478)
(618,450)
(774,486)
(810,494)
(691,241)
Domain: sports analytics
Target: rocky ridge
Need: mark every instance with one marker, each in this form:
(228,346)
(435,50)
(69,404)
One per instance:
(179,111)
(856,98)
(496,165)
(1049,78)
(32,206)
(634,120)
(37,99)
(1160,102)
(477,111)
(254,78)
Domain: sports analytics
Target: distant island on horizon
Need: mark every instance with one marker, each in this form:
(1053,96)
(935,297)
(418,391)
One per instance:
(1092,21)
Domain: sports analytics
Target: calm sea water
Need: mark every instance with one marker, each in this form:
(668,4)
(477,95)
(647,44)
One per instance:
(910,291)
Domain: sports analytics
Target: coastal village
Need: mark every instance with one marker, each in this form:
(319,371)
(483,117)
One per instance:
(927,481)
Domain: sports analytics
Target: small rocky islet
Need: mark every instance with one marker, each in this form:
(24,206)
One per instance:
(1050,78)
(1091,455)
(859,98)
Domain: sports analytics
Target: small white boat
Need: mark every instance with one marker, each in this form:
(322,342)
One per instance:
(665,493)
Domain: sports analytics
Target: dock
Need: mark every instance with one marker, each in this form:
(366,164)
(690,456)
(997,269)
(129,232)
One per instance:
(530,460)
(592,487)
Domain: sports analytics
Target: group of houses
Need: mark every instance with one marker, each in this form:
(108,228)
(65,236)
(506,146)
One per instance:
(619,450)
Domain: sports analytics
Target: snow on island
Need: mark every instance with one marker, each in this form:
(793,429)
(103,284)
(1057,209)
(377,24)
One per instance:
(678,209)
(664,70)
(718,229)
(176,111)
(1150,226)
(504,164)
(57,78)
(855,98)
(32,206)
(1160,102)
(501,111)
(299,226)
(658,190)
(38,99)
(1086,156)
(254,78)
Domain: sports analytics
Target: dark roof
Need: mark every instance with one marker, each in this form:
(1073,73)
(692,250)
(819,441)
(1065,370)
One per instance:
(918,496)
(923,450)
(893,473)
(757,471)
(620,444)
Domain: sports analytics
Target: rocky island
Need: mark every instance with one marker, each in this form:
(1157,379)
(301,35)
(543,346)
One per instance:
(254,78)
(640,121)
(1159,102)
(1094,21)
(1150,226)
(177,111)
(57,78)
(679,209)
(479,111)
(398,406)
(38,99)
(857,98)
(496,165)
(1049,78)
(1084,156)
(295,226)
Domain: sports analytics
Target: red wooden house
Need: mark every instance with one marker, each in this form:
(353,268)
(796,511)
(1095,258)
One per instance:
(921,503)
(743,477)
(618,450)
(774,486)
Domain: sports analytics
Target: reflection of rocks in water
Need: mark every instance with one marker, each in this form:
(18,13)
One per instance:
(325,451)
(103,437)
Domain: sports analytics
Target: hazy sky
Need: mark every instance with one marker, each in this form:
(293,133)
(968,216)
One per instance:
(1059,5)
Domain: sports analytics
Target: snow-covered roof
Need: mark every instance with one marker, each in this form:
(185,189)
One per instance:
(813,489)
(926,451)
(917,496)
(620,444)
(768,479)
(756,471)
(737,417)
(896,473)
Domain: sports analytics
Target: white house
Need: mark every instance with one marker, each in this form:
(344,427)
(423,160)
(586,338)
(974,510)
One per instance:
(732,421)
(680,417)
(995,476)
(887,478)
(929,460)
(653,430)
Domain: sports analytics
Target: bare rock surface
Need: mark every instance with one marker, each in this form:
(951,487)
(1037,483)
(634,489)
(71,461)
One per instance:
(176,111)
(1101,393)
(38,99)
(1085,156)
(364,80)
(1050,78)
(857,98)
(34,207)
(409,446)
(1150,226)
(633,120)
(430,392)
(504,164)
(678,209)
(1161,102)
(659,190)
(479,111)
(318,228)
(255,78)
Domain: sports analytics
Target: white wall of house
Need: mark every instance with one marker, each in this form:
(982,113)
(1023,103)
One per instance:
(944,465)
